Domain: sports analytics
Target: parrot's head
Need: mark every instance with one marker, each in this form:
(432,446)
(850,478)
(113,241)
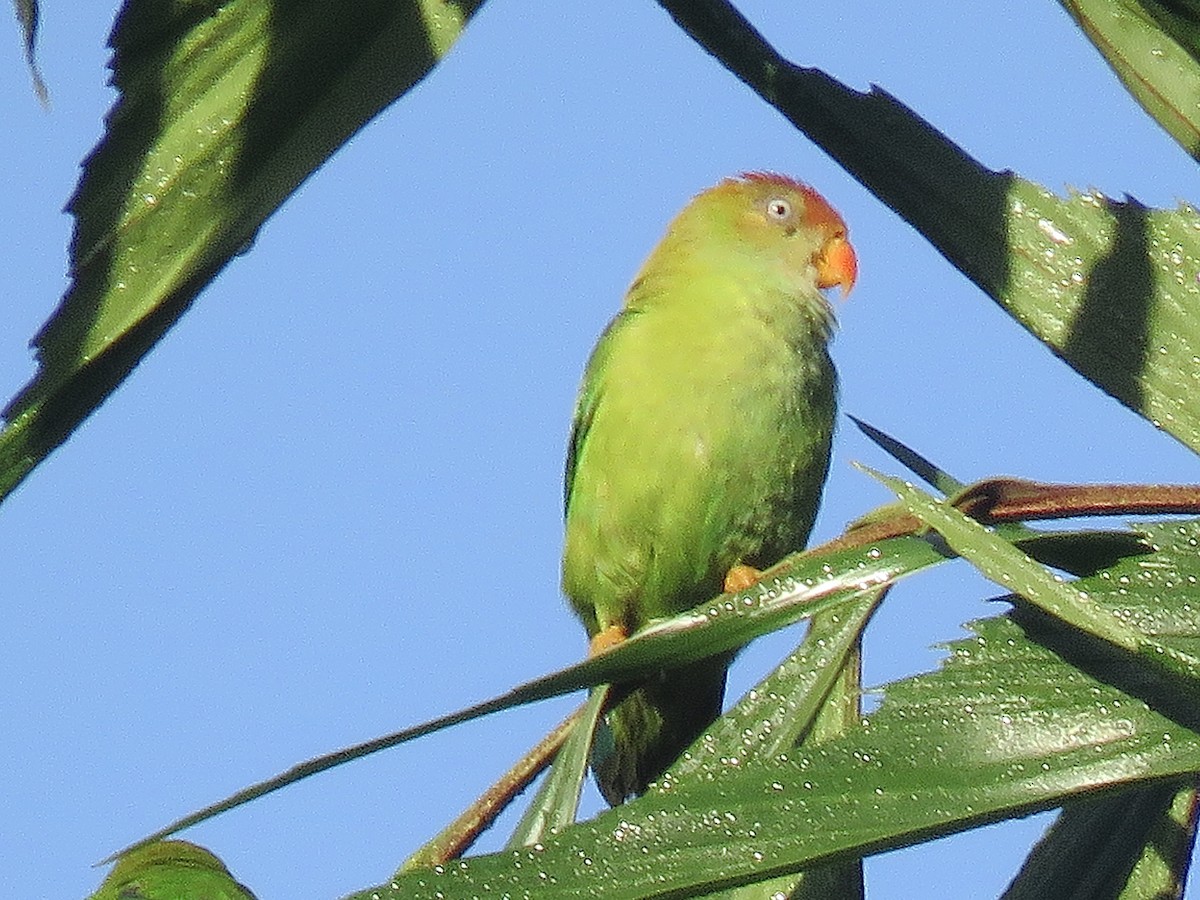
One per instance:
(770,226)
(759,230)
(789,223)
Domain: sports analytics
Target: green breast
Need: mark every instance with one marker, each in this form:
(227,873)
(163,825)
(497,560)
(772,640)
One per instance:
(702,440)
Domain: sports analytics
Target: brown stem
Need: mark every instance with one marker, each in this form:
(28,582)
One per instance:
(1017,500)
(457,837)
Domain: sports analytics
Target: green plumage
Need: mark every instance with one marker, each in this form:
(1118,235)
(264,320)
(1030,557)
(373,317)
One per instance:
(170,870)
(701,440)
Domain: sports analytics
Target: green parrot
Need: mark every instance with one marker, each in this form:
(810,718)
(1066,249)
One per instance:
(701,440)
(170,870)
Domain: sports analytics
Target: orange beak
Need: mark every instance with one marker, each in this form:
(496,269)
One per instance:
(837,265)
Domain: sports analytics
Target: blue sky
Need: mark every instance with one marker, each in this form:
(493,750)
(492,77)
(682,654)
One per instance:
(328,504)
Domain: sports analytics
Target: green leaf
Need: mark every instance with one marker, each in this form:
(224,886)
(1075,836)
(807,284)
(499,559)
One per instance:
(1109,286)
(1069,602)
(1096,846)
(1154,48)
(783,708)
(927,471)
(225,109)
(1162,869)
(557,802)
(799,587)
(813,696)
(1005,728)
(1024,716)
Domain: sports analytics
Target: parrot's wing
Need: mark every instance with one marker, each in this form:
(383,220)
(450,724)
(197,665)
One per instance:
(590,392)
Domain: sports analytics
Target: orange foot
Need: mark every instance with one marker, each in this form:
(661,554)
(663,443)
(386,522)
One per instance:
(741,577)
(606,639)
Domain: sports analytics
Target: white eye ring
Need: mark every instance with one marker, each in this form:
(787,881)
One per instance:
(779,209)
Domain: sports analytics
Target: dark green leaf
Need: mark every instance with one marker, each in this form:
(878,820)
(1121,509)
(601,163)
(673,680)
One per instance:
(1069,602)
(1005,728)
(800,587)
(912,460)
(557,802)
(1155,50)
(1109,286)
(813,695)
(1094,847)
(225,109)
(782,709)
(1024,716)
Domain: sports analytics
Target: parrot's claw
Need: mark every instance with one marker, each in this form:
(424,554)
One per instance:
(741,577)
(606,639)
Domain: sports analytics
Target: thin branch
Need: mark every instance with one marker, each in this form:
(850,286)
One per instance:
(457,837)
(999,500)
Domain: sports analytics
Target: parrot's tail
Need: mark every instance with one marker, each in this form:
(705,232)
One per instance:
(650,729)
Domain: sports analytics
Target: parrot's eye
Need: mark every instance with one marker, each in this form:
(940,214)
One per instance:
(779,209)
